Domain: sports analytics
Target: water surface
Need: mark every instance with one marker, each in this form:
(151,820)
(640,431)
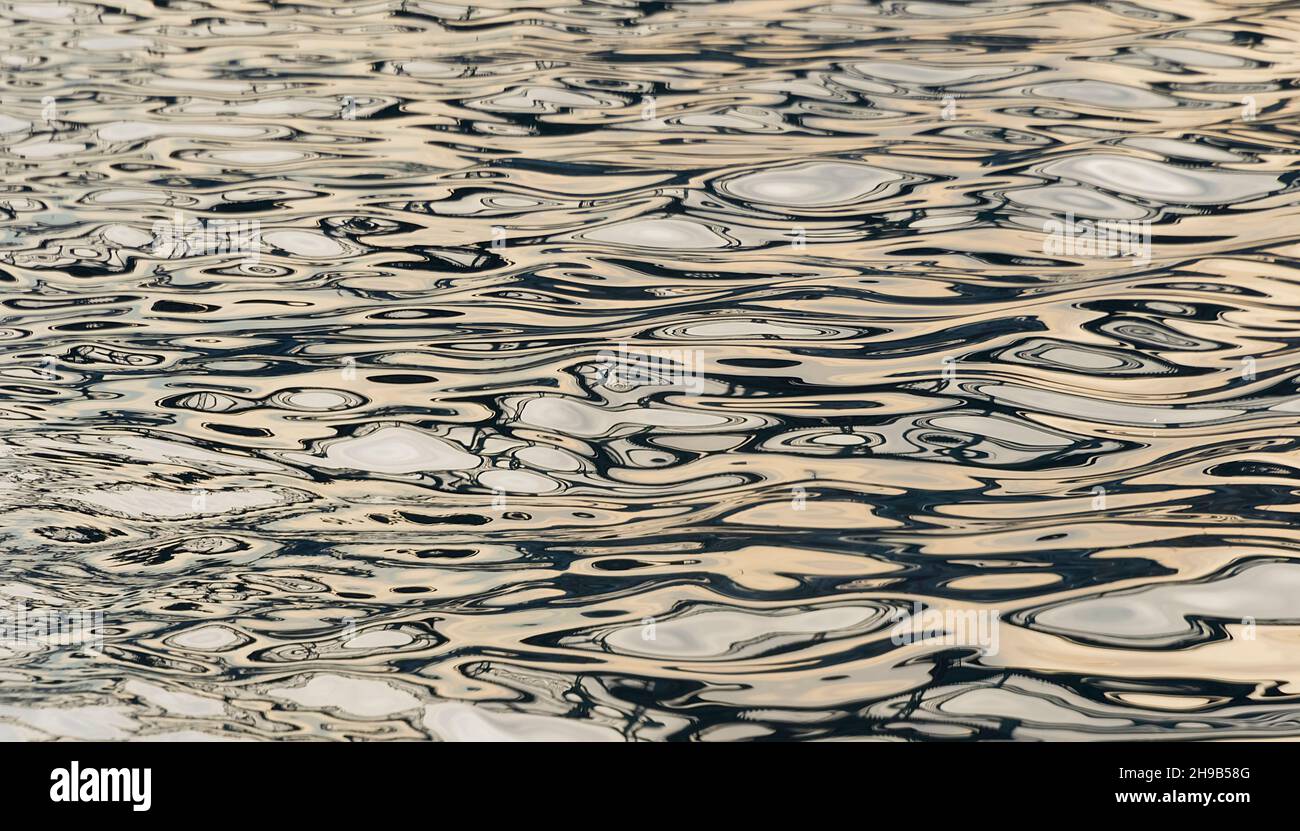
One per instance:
(643,371)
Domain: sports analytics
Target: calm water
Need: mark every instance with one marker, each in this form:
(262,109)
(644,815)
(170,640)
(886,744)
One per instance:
(649,371)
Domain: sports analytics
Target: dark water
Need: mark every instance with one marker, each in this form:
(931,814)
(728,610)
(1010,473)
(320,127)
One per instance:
(649,371)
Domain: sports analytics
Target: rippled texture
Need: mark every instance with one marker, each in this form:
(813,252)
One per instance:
(377,485)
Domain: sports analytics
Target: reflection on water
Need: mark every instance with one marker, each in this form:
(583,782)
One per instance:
(647,371)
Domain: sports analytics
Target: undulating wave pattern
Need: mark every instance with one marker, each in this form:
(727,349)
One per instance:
(638,371)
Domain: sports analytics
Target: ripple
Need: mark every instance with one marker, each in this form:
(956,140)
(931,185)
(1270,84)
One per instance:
(1162,182)
(631,371)
(391,449)
(810,185)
